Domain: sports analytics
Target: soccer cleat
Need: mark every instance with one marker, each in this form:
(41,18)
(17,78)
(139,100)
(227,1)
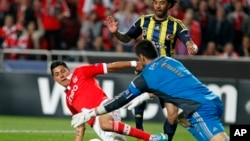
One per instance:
(159,137)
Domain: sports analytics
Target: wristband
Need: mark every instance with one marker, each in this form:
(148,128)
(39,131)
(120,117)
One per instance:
(133,63)
(101,110)
(92,113)
(145,96)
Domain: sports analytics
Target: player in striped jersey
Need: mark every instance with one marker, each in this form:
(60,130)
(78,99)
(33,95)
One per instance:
(162,30)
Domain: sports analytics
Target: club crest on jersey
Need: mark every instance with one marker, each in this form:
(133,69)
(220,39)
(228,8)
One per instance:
(144,32)
(75,79)
(169,37)
(157,27)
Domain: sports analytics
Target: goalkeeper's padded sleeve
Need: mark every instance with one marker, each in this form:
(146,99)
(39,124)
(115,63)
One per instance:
(116,103)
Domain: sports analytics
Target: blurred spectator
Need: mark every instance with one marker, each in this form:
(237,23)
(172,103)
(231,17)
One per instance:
(220,21)
(245,47)
(141,7)
(119,48)
(91,27)
(211,49)
(125,19)
(81,45)
(106,35)
(229,52)
(212,5)
(8,28)
(118,5)
(177,11)
(99,8)
(203,17)
(230,5)
(240,22)
(34,32)
(71,26)
(97,44)
(52,12)
(16,40)
(23,12)
(90,5)
(220,29)
(194,29)
(5,6)
(37,8)
(225,4)
(194,4)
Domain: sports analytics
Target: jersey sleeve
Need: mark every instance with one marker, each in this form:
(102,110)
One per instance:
(135,30)
(91,70)
(136,87)
(183,33)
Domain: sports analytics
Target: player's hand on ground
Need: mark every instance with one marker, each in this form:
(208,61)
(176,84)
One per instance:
(82,117)
(111,24)
(137,101)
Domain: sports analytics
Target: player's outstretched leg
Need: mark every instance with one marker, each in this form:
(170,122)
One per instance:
(139,115)
(159,137)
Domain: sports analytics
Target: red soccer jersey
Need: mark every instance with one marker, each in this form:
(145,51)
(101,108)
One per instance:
(84,90)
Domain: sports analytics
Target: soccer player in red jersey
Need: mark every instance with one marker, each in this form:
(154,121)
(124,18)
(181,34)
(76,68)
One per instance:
(83,93)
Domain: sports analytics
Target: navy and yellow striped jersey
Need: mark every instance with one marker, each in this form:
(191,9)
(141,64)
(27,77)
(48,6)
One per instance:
(163,34)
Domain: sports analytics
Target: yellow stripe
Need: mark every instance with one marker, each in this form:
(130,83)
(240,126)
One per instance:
(150,31)
(142,23)
(172,41)
(162,37)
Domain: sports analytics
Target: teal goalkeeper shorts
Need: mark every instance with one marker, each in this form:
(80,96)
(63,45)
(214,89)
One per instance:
(206,122)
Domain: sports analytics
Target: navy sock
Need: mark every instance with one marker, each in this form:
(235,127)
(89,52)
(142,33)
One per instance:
(169,129)
(139,115)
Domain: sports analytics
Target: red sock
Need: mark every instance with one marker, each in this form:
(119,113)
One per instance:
(125,129)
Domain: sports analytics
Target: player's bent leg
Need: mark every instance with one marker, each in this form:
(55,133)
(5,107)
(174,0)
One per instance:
(139,110)
(170,124)
(172,112)
(105,127)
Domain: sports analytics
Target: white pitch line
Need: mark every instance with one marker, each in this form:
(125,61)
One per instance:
(41,131)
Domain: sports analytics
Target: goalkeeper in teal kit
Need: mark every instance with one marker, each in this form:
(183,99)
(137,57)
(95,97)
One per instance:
(171,81)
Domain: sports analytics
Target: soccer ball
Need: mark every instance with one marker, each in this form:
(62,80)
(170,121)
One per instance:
(96,139)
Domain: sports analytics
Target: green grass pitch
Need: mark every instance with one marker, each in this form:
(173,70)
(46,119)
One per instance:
(18,128)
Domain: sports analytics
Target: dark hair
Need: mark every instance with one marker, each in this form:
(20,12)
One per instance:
(146,48)
(57,63)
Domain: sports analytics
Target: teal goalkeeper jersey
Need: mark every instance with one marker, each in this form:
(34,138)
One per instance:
(170,80)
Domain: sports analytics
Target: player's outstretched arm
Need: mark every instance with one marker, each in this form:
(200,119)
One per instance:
(123,64)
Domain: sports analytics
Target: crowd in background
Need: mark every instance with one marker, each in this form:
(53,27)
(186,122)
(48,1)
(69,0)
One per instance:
(218,27)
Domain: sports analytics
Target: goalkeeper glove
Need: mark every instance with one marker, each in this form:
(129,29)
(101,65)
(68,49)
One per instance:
(82,117)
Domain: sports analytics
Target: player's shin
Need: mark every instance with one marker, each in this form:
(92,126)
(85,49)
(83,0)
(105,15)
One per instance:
(139,110)
(125,129)
(169,129)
